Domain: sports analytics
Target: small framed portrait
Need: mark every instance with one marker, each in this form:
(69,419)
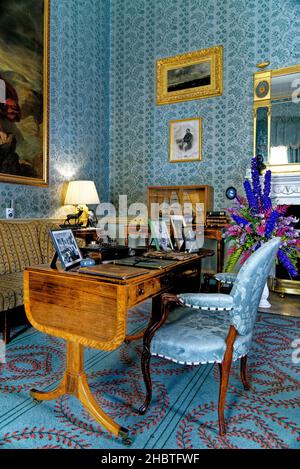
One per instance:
(161,235)
(190,238)
(194,75)
(178,225)
(185,140)
(66,248)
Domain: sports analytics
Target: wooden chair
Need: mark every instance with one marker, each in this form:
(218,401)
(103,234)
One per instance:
(219,332)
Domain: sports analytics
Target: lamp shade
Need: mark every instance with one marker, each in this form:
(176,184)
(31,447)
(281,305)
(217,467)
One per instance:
(81,193)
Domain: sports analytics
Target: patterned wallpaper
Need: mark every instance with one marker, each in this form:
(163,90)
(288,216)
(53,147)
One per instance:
(104,123)
(79,107)
(251,31)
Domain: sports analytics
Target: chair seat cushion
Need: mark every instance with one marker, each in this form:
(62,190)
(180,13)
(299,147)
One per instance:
(196,337)
(11,291)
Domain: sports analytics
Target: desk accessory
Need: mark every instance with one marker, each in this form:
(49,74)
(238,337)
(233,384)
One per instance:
(87,262)
(113,271)
(81,194)
(145,263)
(67,249)
(174,255)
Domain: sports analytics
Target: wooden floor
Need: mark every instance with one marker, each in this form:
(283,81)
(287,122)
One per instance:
(287,306)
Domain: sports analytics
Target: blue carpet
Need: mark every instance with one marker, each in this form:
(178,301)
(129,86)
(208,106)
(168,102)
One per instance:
(183,413)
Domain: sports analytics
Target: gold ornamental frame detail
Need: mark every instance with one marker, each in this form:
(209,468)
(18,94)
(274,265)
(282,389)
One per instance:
(41,176)
(194,75)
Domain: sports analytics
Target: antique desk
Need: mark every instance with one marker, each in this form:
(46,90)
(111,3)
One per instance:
(91,311)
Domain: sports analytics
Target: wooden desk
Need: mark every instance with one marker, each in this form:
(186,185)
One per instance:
(216,233)
(91,311)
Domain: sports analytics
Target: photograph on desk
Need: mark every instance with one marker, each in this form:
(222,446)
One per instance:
(178,224)
(66,247)
(160,235)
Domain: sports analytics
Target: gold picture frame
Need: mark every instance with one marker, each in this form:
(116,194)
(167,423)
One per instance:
(194,75)
(24,106)
(185,140)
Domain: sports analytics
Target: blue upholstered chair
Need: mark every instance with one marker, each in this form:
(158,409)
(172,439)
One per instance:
(221,329)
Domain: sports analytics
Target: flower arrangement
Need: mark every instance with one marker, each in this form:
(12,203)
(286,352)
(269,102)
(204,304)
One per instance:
(255,221)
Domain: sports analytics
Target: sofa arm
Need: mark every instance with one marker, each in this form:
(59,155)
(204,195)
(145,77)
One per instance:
(206,301)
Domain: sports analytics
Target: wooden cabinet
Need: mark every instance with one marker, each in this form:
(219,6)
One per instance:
(195,194)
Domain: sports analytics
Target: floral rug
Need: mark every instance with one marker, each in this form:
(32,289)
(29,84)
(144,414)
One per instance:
(183,413)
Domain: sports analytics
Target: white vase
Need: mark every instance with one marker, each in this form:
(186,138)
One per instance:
(264,303)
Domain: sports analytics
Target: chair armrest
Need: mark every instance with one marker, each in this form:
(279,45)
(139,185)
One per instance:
(207,301)
(226,277)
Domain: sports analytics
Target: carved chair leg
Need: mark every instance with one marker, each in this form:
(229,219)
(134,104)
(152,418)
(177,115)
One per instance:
(224,368)
(6,328)
(160,311)
(244,373)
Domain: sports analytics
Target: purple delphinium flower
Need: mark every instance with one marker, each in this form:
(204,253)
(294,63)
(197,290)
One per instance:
(256,181)
(239,220)
(287,263)
(271,223)
(252,200)
(266,201)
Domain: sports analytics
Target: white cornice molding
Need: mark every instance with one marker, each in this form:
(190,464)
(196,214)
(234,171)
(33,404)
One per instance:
(286,188)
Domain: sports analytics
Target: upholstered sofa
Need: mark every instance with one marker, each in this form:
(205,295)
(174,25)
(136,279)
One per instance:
(22,243)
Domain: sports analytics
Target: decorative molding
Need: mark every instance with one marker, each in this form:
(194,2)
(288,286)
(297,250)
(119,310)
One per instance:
(286,189)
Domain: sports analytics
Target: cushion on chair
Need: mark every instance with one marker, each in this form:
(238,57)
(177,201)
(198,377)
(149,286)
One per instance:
(11,291)
(193,338)
(226,277)
(207,301)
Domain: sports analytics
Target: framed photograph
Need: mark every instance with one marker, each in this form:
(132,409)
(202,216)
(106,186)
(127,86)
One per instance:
(66,248)
(160,235)
(185,140)
(178,225)
(190,238)
(24,35)
(194,75)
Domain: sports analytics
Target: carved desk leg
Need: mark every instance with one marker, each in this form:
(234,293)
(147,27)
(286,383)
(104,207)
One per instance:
(75,382)
(160,310)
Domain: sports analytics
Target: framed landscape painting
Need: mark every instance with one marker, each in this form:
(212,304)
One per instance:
(190,76)
(24,35)
(185,140)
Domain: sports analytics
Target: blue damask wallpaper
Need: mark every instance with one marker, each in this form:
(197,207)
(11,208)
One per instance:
(251,31)
(79,107)
(104,123)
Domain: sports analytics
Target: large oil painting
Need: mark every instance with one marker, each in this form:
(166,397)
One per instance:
(24,36)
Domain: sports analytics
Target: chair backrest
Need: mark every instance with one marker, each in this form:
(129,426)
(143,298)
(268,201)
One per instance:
(249,284)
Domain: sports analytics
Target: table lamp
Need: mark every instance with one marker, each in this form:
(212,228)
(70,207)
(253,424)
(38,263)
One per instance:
(81,194)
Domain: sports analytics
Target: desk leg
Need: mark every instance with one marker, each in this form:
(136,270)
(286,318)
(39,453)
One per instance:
(75,382)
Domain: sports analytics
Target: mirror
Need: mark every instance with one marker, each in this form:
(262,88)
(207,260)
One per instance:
(277,118)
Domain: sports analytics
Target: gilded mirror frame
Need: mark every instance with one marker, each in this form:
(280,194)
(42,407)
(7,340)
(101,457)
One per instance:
(262,81)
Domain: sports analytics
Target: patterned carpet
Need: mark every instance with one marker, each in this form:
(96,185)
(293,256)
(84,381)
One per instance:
(183,413)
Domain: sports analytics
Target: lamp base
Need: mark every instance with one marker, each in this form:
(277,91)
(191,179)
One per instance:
(74,226)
